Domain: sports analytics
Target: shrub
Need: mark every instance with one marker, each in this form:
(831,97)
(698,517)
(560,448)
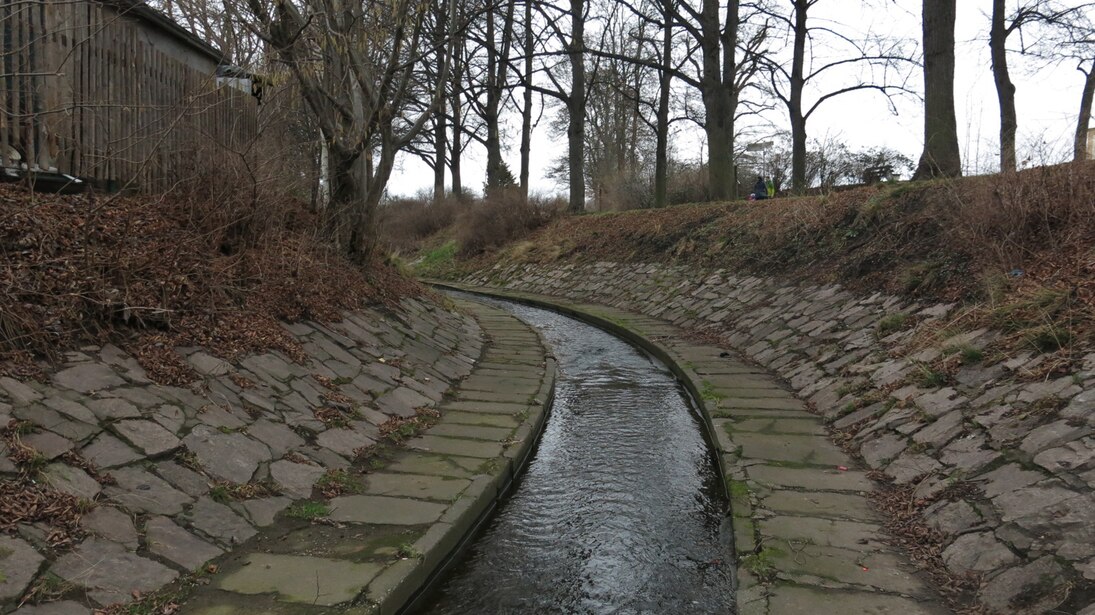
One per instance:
(405,222)
(501,218)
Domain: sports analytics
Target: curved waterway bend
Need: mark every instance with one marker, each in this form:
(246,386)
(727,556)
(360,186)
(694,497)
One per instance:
(619,511)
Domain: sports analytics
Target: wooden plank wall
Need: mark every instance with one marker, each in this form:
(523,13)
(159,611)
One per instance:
(82,91)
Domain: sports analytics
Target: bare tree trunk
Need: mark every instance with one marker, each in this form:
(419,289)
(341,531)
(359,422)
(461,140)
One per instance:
(717,101)
(526,111)
(440,148)
(497,66)
(456,152)
(661,155)
(1079,150)
(794,106)
(1005,89)
(941,157)
(576,104)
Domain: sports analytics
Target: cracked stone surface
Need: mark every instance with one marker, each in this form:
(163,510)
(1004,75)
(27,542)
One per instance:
(1027,445)
(160,451)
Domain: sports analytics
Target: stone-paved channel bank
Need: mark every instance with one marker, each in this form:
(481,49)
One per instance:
(164,480)
(805,537)
(923,396)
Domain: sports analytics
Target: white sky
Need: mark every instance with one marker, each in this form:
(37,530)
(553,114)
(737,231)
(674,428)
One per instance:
(1047,100)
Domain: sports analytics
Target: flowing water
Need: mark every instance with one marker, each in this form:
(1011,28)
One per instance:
(619,510)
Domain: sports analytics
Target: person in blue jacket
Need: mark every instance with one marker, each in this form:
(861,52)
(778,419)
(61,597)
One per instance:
(760,189)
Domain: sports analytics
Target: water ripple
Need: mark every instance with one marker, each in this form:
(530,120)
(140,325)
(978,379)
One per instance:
(619,510)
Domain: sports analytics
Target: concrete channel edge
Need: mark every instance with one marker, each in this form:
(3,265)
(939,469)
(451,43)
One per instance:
(401,587)
(762,587)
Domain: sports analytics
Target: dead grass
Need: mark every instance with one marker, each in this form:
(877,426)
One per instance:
(992,240)
(153,274)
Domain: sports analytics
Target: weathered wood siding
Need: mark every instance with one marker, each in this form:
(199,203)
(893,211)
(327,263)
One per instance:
(99,94)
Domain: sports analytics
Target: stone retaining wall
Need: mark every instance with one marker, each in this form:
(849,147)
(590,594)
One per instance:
(156,471)
(1020,448)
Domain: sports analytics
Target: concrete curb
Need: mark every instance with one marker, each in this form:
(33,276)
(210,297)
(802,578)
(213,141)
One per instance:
(401,587)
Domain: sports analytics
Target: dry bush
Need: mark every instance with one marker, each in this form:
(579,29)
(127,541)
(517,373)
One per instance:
(405,222)
(501,218)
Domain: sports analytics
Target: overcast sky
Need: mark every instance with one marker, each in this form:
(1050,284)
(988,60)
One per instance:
(1047,100)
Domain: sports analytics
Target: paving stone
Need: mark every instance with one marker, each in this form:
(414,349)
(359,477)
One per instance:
(811,478)
(968,454)
(113,408)
(818,504)
(276,436)
(19,564)
(1076,455)
(790,600)
(415,486)
(65,607)
(941,431)
(109,572)
(18,392)
(295,479)
(1052,435)
(1028,583)
(48,444)
(70,480)
(219,522)
(1006,479)
(1026,501)
(208,365)
(454,446)
(170,417)
(171,542)
(384,510)
(69,408)
(107,452)
(183,479)
(952,518)
(112,524)
(436,465)
(57,423)
(791,448)
(402,402)
(910,466)
(218,417)
(826,532)
(139,490)
(88,377)
(980,552)
(232,456)
(344,441)
(263,512)
(816,565)
(299,578)
(879,452)
(147,436)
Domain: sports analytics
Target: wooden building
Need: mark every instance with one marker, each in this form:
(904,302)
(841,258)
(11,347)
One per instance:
(113,92)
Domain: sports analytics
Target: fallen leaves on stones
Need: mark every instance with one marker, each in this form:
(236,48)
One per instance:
(27,503)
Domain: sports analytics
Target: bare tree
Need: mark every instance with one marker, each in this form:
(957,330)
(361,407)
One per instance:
(1048,13)
(361,68)
(941,157)
(887,59)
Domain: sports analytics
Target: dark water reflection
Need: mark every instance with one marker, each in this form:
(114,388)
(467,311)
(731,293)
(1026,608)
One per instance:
(619,510)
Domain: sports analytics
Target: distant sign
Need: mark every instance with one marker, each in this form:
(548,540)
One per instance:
(759,147)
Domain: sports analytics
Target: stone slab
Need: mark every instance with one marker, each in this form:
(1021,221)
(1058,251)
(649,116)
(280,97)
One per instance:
(808,450)
(109,572)
(787,600)
(415,486)
(19,564)
(299,578)
(384,510)
(454,446)
(171,542)
(107,452)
